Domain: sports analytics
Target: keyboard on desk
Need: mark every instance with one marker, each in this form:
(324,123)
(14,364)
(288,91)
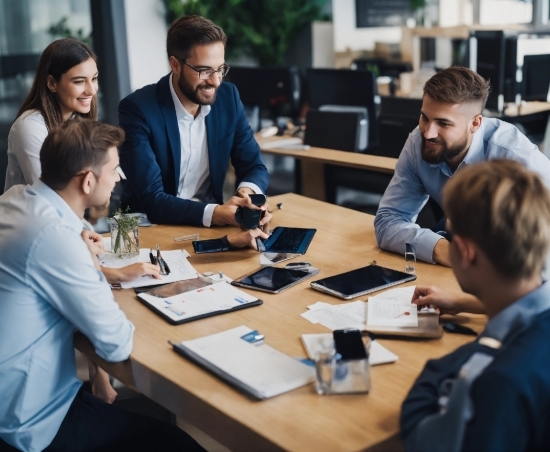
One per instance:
(289,240)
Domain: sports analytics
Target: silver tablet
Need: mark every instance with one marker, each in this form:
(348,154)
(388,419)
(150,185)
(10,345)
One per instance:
(361,281)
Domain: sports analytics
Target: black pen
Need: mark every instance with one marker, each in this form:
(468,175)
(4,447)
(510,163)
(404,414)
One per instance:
(152,258)
(162,263)
(166,268)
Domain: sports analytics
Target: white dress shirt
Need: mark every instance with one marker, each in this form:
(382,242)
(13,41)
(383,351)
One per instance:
(25,139)
(48,287)
(194,180)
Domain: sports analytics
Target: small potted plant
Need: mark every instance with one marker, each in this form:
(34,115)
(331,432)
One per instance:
(124,234)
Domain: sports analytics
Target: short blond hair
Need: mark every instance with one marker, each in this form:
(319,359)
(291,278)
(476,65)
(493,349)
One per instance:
(505,210)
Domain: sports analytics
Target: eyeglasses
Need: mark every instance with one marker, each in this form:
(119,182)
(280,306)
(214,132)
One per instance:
(205,74)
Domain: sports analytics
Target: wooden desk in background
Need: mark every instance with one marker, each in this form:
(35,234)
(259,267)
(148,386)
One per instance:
(299,420)
(313,161)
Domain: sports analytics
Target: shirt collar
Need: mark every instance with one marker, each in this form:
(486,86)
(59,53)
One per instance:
(519,315)
(182,113)
(65,212)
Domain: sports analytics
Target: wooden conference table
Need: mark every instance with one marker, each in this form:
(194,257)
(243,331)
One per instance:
(299,420)
(313,161)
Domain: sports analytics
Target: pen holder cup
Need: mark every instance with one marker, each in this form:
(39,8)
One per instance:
(337,376)
(124,243)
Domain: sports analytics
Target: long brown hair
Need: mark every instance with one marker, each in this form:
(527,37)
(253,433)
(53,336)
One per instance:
(57,58)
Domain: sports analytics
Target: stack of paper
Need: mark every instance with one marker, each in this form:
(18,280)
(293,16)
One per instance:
(391,308)
(378,354)
(259,370)
(336,317)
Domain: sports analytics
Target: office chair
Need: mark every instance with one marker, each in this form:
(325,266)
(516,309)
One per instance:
(398,118)
(345,87)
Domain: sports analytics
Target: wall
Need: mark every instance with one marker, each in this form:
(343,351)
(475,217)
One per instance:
(146,32)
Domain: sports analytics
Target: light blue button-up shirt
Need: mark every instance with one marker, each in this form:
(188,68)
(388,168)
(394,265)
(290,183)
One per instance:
(49,287)
(415,181)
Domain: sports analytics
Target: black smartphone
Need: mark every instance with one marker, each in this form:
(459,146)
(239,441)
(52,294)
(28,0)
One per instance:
(209,246)
(258,199)
(349,344)
(459,329)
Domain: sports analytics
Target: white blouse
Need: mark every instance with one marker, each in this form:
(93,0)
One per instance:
(25,139)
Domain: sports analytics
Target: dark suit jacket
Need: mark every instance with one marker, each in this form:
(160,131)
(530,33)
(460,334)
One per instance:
(151,154)
(511,398)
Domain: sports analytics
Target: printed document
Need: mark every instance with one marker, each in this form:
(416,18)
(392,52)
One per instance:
(180,268)
(393,308)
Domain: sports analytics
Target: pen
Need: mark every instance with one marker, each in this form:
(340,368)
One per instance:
(165,270)
(152,259)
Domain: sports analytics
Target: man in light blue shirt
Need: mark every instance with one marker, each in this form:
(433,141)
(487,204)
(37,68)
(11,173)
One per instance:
(50,285)
(451,134)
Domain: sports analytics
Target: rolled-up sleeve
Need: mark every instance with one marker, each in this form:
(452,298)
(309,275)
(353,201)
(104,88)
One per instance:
(61,270)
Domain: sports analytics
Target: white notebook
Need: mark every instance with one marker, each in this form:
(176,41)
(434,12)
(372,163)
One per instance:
(259,370)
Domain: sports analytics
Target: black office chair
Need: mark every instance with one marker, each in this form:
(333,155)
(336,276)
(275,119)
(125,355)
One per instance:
(345,87)
(398,118)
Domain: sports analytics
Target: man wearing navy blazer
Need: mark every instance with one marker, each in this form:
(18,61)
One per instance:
(182,132)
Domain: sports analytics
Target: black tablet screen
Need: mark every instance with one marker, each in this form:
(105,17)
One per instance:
(272,278)
(363,279)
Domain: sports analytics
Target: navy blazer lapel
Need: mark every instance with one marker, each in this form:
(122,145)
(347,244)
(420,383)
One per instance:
(169,112)
(212,122)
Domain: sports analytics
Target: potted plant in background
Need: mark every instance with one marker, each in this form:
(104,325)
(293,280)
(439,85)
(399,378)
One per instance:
(124,234)
(262,30)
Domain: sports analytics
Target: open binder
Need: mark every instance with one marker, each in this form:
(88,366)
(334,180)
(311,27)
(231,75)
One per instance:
(259,371)
(198,299)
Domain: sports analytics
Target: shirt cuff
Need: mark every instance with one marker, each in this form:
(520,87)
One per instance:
(208,214)
(254,187)
(425,247)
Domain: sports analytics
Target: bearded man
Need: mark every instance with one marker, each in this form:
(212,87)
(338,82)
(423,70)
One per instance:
(451,134)
(182,132)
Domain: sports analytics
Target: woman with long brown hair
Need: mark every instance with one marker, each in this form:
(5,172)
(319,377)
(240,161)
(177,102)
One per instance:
(65,85)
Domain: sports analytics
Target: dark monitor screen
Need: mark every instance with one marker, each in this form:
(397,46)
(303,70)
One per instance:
(267,87)
(345,87)
(536,77)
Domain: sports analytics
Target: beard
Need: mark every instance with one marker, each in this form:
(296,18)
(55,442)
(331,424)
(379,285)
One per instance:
(445,153)
(195,95)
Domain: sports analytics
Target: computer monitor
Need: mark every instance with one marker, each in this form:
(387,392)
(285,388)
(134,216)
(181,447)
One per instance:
(345,87)
(490,63)
(536,77)
(273,89)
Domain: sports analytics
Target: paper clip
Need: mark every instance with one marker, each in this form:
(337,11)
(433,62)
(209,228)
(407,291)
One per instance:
(183,238)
